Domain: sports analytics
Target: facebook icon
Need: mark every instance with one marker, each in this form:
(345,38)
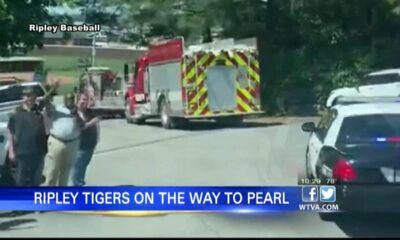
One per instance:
(310,194)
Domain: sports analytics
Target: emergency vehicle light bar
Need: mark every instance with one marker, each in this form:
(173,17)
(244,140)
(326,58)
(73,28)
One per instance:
(358,100)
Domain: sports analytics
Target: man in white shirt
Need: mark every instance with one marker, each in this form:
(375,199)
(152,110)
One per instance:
(64,128)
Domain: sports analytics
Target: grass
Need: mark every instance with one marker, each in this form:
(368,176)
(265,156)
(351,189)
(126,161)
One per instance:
(66,89)
(67,66)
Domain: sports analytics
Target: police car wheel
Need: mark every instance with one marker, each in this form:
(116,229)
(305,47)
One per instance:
(308,171)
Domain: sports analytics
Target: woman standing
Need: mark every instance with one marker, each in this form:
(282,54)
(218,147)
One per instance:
(88,140)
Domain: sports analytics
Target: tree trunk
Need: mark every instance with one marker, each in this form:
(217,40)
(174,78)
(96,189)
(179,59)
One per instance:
(372,27)
(207,36)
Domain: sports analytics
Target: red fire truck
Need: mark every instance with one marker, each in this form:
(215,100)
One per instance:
(218,81)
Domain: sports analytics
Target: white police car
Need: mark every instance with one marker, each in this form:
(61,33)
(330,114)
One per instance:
(375,84)
(357,144)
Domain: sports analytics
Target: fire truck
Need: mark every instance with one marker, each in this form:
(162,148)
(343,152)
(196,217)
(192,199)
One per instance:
(105,90)
(219,81)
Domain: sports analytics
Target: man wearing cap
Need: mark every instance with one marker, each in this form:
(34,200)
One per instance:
(27,140)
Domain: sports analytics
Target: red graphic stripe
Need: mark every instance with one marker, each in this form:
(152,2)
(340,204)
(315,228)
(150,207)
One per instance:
(182,88)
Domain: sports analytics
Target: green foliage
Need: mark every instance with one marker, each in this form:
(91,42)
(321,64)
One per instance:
(15,17)
(310,45)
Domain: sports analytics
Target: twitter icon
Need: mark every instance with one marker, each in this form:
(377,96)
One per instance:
(327,194)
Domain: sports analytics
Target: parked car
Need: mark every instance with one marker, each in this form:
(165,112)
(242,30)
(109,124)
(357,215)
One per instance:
(375,84)
(11,94)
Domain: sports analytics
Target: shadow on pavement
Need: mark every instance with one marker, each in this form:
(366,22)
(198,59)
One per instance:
(15,224)
(370,225)
(14,214)
(12,224)
(209,125)
(196,126)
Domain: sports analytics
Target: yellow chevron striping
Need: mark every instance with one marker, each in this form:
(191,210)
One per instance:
(240,61)
(200,93)
(256,63)
(201,108)
(244,92)
(254,75)
(192,72)
(244,105)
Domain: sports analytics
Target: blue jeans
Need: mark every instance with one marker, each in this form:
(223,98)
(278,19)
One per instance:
(80,166)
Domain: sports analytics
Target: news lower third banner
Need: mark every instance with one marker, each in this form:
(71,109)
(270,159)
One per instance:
(173,199)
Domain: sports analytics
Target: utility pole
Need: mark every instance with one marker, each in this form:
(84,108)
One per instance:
(94,50)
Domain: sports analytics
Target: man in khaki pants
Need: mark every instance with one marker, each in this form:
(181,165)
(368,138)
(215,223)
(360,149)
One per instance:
(64,127)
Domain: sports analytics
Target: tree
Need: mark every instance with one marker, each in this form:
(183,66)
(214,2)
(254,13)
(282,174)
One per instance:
(316,45)
(15,17)
(170,18)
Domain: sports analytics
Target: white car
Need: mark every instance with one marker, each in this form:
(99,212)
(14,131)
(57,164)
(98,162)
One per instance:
(356,146)
(376,84)
(11,94)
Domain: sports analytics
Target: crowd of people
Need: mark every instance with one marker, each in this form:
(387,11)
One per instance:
(52,144)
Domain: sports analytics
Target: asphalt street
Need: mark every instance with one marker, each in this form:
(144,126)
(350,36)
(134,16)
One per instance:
(258,154)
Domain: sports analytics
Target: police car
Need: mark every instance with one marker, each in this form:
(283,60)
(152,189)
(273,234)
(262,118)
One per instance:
(375,84)
(356,146)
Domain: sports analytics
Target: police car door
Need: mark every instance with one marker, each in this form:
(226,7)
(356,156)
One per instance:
(317,140)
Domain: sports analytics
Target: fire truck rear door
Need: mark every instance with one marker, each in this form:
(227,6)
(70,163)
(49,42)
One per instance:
(221,88)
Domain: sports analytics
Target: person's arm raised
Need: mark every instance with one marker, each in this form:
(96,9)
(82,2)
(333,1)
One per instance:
(49,94)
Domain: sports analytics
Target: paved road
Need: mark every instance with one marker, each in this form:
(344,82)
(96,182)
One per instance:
(257,154)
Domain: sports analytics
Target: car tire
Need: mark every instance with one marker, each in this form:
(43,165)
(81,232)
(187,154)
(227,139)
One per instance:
(128,116)
(308,172)
(139,121)
(165,113)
